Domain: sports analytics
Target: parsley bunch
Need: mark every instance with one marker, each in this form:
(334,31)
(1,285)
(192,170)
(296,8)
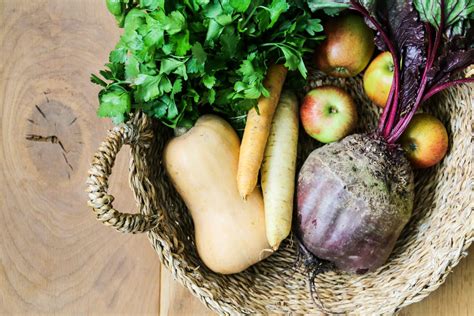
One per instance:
(177,59)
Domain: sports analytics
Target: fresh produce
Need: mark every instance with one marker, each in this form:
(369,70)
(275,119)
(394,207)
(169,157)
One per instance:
(114,6)
(328,114)
(425,141)
(177,60)
(348,47)
(202,164)
(278,170)
(354,197)
(378,78)
(257,130)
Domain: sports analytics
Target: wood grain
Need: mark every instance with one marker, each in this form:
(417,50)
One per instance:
(54,257)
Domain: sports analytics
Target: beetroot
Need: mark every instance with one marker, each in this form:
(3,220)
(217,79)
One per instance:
(354,197)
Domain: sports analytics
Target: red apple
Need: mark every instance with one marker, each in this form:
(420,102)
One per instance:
(328,114)
(425,140)
(378,78)
(348,46)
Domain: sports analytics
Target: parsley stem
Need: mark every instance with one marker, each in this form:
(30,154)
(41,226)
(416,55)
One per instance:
(249,17)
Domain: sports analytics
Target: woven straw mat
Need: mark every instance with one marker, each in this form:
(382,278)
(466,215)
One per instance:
(436,238)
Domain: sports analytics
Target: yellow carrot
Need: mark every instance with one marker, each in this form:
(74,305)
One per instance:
(278,170)
(257,130)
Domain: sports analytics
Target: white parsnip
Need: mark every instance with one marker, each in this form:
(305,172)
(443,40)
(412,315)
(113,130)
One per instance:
(278,170)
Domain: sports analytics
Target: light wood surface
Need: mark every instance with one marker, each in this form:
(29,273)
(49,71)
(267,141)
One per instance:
(54,257)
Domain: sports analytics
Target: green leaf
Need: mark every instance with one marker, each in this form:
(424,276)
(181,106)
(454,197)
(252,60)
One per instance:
(168,65)
(114,7)
(263,18)
(334,7)
(134,19)
(97,80)
(244,104)
(252,93)
(182,71)
(177,87)
(131,68)
(152,4)
(202,2)
(316,5)
(211,96)
(313,26)
(292,60)
(209,81)
(114,103)
(175,23)
(191,93)
(198,53)
(224,19)
(181,42)
(175,58)
(213,10)
(194,67)
(302,69)
(247,68)
(276,8)
(152,32)
(172,108)
(229,42)
(159,110)
(133,40)
(168,48)
(455,11)
(214,30)
(150,87)
(240,5)
(118,55)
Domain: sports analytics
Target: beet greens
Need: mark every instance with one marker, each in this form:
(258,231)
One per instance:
(428,48)
(355,196)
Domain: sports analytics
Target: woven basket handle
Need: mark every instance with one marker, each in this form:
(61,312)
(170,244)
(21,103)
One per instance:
(97,182)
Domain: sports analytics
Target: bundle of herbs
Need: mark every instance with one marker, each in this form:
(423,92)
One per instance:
(179,59)
(355,196)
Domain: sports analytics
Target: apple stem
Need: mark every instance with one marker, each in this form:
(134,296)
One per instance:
(392,101)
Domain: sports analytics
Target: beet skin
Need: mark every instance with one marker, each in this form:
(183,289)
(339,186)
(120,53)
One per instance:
(354,197)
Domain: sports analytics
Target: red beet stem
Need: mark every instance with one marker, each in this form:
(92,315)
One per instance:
(393,110)
(402,124)
(393,96)
(445,85)
(383,118)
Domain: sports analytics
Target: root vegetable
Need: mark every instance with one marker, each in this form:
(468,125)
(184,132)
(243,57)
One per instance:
(354,198)
(257,130)
(278,170)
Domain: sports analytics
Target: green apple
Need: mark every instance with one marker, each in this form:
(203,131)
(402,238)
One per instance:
(378,78)
(328,114)
(425,141)
(348,46)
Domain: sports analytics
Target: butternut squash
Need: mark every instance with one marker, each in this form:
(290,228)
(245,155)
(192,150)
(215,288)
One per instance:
(202,165)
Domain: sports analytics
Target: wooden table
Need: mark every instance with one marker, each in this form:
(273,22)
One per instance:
(54,257)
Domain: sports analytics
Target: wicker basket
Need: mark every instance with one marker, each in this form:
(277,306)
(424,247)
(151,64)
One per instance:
(437,237)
